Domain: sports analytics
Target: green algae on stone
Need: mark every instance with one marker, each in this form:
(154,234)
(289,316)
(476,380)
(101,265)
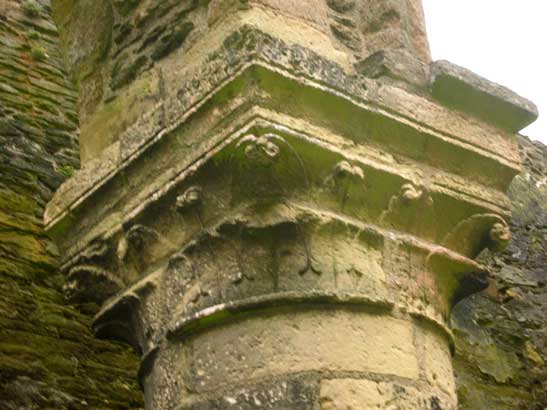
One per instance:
(33,34)
(124,7)
(67,171)
(38,53)
(32,8)
(49,359)
(500,334)
(124,76)
(170,42)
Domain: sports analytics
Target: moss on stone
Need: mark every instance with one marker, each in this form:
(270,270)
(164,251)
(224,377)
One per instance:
(33,34)
(500,333)
(38,53)
(123,76)
(49,359)
(124,7)
(170,42)
(31,8)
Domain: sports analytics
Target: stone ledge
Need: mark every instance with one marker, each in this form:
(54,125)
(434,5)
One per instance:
(460,88)
(185,326)
(446,132)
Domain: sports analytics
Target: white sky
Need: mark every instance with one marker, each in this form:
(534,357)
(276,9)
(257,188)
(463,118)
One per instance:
(502,40)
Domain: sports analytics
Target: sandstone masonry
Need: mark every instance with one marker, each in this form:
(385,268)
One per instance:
(278,205)
(270,199)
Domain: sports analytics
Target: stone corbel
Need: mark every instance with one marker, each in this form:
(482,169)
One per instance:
(478,232)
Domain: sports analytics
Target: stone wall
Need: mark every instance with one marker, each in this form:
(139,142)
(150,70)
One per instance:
(49,358)
(501,333)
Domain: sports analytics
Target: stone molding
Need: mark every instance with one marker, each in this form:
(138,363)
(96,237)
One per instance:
(263,177)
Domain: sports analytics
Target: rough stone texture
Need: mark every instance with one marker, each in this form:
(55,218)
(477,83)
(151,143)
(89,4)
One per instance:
(240,157)
(348,394)
(294,255)
(464,90)
(501,333)
(270,191)
(298,393)
(338,341)
(110,44)
(49,359)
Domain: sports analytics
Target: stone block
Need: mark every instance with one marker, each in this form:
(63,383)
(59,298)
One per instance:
(295,394)
(464,90)
(397,64)
(438,363)
(306,341)
(349,394)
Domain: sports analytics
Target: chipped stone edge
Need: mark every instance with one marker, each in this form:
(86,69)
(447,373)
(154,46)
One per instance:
(103,173)
(493,91)
(229,137)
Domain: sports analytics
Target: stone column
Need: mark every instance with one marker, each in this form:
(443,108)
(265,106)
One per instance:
(280,200)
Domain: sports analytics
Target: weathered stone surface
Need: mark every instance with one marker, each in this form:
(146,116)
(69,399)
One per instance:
(335,258)
(438,363)
(464,90)
(396,64)
(263,199)
(396,25)
(299,393)
(316,344)
(345,394)
(49,358)
(321,341)
(127,55)
(500,333)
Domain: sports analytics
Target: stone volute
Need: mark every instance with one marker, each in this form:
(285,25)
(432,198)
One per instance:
(280,200)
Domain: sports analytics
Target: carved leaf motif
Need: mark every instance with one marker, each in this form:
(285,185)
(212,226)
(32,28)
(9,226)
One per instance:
(138,235)
(474,234)
(265,167)
(411,210)
(91,283)
(455,277)
(89,276)
(347,181)
(95,254)
(189,199)
(118,318)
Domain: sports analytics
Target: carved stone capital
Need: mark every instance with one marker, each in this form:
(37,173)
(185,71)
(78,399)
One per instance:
(277,210)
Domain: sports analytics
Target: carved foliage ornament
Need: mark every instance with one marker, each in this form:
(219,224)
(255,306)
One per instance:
(264,167)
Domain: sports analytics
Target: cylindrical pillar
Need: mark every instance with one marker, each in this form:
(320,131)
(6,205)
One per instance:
(273,209)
